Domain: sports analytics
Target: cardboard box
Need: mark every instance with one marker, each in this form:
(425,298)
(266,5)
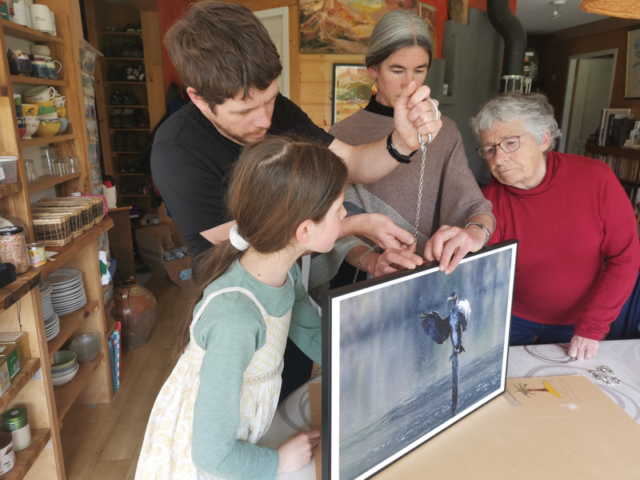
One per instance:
(153,242)
(9,354)
(21,341)
(5,379)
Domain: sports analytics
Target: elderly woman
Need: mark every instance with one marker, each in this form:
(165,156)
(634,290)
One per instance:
(454,217)
(578,254)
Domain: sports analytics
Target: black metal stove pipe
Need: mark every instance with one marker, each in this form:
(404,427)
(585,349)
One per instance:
(513,34)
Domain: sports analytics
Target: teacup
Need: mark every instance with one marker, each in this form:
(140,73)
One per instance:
(62,112)
(47,109)
(52,70)
(65,124)
(29,110)
(17,99)
(60,101)
(40,68)
(40,94)
(32,127)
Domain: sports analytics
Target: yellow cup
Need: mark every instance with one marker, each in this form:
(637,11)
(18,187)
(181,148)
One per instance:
(29,110)
(49,103)
(62,112)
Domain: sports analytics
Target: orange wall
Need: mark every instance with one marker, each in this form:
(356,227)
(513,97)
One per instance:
(170,10)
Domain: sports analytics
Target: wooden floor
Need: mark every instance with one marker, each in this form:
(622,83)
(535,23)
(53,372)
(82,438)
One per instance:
(104,441)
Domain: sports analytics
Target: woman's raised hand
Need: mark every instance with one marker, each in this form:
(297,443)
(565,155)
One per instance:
(296,451)
(414,113)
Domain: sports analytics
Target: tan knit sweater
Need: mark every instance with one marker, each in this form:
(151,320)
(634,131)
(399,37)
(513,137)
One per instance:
(396,195)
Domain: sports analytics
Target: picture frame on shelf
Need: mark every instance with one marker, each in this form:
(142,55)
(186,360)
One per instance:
(351,92)
(410,354)
(632,84)
(635,135)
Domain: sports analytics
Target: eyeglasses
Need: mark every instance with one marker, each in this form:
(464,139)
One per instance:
(508,145)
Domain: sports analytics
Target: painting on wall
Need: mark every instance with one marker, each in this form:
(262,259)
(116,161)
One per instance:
(428,14)
(343,26)
(633,65)
(351,90)
(408,355)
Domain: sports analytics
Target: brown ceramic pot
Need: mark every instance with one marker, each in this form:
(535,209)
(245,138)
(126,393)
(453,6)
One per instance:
(136,309)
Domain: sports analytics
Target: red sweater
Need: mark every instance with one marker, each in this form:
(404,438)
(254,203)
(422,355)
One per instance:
(567,226)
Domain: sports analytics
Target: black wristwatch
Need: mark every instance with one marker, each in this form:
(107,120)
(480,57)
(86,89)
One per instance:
(396,154)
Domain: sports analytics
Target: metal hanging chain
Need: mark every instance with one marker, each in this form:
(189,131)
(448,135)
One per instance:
(423,147)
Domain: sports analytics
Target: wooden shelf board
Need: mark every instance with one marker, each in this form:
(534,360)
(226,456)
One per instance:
(129,174)
(133,82)
(47,181)
(27,457)
(37,141)
(67,252)
(37,81)
(128,106)
(67,394)
(128,153)
(617,151)
(140,60)
(134,196)
(6,190)
(69,324)
(14,30)
(135,34)
(628,181)
(26,372)
(16,290)
(111,130)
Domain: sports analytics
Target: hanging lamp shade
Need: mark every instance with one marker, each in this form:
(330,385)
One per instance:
(612,8)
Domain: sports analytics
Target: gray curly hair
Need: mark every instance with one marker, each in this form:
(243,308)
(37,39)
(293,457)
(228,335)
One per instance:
(533,110)
(397,29)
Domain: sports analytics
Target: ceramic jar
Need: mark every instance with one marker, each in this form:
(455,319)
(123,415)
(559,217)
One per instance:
(136,309)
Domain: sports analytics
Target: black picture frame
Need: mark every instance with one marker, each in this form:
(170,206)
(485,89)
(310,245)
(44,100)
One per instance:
(385,379)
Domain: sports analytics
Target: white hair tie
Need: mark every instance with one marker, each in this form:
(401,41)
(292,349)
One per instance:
(236,239)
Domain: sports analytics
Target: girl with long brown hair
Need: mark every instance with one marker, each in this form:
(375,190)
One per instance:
(286,197)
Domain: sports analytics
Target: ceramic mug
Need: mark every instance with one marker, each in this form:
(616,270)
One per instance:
(40,94)
(20,12)
(60,101)
(30,110)
(52,70)
(61,111)
(40,68)
(17,99)
(40,50)
(41,18)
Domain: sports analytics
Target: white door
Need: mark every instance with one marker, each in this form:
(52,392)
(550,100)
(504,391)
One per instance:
(593,80)
(276,21)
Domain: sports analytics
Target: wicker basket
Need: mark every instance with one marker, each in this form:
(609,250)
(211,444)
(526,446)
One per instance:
(77,220)
(63,202)
(52,230)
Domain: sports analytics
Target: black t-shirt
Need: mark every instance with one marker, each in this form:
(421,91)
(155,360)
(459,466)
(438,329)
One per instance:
(190,162)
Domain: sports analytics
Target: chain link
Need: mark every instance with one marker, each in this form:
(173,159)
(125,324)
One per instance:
(423,147)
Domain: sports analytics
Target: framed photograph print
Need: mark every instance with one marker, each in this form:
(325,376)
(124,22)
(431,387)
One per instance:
(408,355)
(351,90)
(632,89)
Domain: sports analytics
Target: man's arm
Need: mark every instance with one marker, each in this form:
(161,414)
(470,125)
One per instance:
(413,113)
(219,234)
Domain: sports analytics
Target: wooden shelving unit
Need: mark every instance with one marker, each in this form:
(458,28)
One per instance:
(20,303)
(625,162)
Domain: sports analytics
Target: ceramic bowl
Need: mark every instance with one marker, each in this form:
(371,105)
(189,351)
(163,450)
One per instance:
(22,126)
(63,359)
(59,381)
(65,124)
(40,50)
(49,116)
(63,371)
(48,128)
(48,103)
(30,110)
(32,127)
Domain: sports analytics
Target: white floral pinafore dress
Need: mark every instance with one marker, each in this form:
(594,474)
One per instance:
(166,450)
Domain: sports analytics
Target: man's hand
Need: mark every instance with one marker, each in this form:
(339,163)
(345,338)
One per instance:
(449,245)
(583,348)
(414,113)
(392,260)
(378,228)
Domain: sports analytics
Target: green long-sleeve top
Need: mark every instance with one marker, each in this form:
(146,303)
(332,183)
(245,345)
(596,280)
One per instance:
(231,330)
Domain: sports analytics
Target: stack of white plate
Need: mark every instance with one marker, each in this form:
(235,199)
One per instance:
(68,291)
(52,326)
(45,298)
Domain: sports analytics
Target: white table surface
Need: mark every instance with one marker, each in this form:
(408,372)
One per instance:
(622,356)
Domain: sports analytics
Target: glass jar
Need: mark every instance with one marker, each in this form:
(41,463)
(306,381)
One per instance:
(32,172)
(13,248)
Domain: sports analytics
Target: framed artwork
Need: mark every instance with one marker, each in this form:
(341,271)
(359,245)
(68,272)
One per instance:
(408,355)
(351,90)
(345,26)
(635,135)
(632,89)
(428,14)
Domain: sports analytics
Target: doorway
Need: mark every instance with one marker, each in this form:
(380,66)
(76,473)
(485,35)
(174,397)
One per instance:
(588,92)
(276,21)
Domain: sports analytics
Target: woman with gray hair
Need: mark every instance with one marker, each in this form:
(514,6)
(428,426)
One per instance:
(454,218)
(578,253)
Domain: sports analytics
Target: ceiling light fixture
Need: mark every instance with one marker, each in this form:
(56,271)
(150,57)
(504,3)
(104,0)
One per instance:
(557,12)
